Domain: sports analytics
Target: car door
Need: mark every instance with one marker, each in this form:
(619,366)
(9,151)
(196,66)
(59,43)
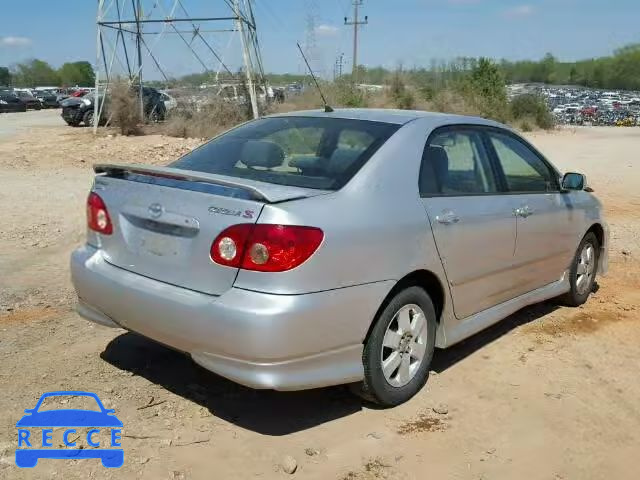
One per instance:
(545,237)
(473,225)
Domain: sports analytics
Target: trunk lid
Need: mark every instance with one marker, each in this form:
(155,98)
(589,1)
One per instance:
(165,220)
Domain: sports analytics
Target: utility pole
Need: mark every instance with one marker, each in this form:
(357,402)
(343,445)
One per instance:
(356,23)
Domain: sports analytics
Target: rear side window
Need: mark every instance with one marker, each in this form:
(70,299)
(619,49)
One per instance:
(311,152)
(455,162)
(523,169)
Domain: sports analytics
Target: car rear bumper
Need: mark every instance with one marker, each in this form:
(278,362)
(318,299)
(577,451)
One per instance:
(283,342)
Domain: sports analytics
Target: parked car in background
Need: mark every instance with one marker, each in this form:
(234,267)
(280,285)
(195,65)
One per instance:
(76,111)
(169,102)
(312,249)
(28,99)
(9,102)
(79,93)
(47,98)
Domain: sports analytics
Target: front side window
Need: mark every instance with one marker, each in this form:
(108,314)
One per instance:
(455,163)
(523,169)
(310,152)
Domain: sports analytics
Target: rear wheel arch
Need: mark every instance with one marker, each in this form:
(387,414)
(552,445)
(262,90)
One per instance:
(424,279)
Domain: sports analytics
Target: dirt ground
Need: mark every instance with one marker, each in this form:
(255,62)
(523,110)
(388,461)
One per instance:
(549,393)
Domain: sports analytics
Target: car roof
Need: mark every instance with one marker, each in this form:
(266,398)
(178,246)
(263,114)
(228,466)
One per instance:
(388,115)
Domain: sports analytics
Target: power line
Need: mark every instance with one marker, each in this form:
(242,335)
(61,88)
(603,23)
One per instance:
(356,23)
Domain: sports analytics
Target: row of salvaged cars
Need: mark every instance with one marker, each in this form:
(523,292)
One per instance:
(23,99)
(575,105)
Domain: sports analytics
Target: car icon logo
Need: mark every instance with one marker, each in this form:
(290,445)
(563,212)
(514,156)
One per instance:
(155,210)
(36,429)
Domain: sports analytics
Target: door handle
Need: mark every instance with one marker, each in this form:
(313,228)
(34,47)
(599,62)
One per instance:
(523,212)
(447,218)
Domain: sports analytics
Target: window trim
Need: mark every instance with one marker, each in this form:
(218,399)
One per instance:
(464,127)
(555,174)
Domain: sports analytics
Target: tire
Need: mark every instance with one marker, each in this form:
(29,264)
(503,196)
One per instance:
(403,381)
(158,114)
(87,118)
(583,269)
(38,107)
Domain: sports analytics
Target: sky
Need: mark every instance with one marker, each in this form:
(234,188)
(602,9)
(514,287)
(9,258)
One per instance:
(407,32)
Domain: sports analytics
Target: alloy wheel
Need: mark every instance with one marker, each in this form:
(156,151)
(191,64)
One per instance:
(586,267)
(404,345)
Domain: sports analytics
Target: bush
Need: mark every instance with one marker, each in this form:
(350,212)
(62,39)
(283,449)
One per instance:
(525,126)
(204,120)
(400,95)
(533,107)
(347,95)
(427,92)
(453,101)
(339,95)
(124,108)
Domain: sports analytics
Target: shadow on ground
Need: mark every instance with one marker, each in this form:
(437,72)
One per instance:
(444,359)
(265,411)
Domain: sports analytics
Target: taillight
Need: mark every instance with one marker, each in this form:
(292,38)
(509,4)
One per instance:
(98,218)
(228,248)
(265,247)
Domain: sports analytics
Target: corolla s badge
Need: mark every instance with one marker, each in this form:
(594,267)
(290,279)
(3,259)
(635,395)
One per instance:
(155,210)
(232,212)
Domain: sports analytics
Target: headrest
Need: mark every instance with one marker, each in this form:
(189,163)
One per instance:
(440,161)
(261,153)
(439,158)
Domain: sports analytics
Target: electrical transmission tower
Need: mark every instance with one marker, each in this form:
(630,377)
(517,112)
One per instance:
(337,67)
(132,36)
(310,40)
(356,22)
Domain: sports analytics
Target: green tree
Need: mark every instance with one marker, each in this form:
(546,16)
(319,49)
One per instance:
(488,81)
(5,76)
(34,73)
(487,90)
(548,69)
(77,73)
(573,75)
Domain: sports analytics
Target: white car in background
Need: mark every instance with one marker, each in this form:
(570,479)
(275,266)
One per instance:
(169,102)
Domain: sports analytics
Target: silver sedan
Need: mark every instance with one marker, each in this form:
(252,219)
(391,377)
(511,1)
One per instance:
(312,249)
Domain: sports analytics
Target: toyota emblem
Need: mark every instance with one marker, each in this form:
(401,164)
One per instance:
(156,210)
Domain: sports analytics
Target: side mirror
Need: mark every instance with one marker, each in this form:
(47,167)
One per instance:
(575,181)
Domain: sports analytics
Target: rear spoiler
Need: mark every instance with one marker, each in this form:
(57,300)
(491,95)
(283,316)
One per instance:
(182,175)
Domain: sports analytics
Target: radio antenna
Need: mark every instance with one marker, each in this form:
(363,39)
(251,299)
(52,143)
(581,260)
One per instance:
(327,108)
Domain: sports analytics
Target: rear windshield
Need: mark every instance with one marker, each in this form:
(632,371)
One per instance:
(310,152)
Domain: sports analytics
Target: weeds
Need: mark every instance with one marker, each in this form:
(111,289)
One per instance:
(204,120)
(532,107)
(125,109)
(478,91)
